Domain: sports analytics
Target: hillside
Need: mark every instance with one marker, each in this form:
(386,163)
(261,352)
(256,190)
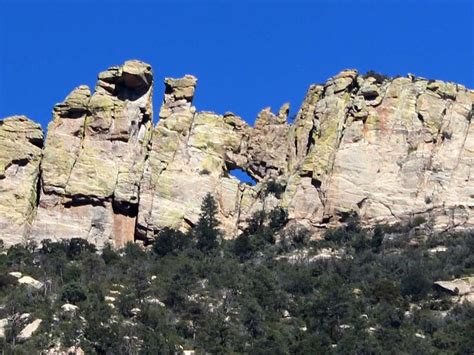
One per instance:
(383,290)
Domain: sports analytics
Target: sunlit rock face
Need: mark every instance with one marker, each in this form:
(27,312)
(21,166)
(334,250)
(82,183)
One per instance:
(383,149)
(21,141)
(386,150)
(94,159)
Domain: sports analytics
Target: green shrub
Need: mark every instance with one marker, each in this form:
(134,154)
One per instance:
(169,240)
(415,283)
(78,247)
(379,78)
(7,281)
(73,293)
(243,247)
(278,218)
(274,187)
(110,255)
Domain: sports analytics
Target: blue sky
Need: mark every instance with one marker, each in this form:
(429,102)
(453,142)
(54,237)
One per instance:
(246,55)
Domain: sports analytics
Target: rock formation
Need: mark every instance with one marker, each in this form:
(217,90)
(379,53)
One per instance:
(94,157)
(28,330)
(21,141)
(462,289)
(384,149)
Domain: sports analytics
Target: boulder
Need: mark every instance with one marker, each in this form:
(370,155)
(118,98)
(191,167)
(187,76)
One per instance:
(73,350)
(69,308)
(3,325)
(28,330)
(29,281)
(462,289)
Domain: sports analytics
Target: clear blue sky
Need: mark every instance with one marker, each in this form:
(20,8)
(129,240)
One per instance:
(246,55)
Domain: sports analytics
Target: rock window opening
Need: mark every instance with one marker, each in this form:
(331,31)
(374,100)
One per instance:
(242,176)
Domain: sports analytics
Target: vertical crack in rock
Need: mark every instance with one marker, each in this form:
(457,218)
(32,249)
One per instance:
(21,141)
(95,152)
(168,148)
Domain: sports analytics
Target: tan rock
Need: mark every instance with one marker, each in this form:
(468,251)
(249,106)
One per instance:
(73,350)
(461,287)
(94,159)
(69,308)
(21,141)
(268,146)
(385,149)
(29,330)
(3,325)
(190,156)
(29,281)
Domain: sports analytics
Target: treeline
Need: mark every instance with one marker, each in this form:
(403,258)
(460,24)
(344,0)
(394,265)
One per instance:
(272,290)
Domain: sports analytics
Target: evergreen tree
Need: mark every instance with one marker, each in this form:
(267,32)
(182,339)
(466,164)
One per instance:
(168,241)
(207,231)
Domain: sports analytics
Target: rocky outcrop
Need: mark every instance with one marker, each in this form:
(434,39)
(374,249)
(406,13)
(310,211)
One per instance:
(190,156)
(94,158)
(73,350)
(462,289)
(388,154)
(27,332)
(21,141)
(384,149)
(31,282)
(3,326)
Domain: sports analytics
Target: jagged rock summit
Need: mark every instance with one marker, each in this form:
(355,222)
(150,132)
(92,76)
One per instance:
(384,149)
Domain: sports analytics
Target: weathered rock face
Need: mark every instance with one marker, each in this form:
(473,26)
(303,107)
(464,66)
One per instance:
(21,141)
(385,149)
(94,158)
(189,157)
(393,149)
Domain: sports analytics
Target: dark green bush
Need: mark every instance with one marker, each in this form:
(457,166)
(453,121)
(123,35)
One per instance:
(7,281)
(169,240)
(73,293)
(278,218)
(274,187)
(379,78)
(415,283)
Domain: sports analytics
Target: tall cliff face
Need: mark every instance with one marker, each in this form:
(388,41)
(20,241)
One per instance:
(94,159)
(21,141)
(384,149)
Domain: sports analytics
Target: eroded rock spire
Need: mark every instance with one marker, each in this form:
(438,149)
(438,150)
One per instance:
(94,159)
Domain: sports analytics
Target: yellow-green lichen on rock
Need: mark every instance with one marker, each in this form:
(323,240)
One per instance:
(21,141)
(384,149)
(95,156)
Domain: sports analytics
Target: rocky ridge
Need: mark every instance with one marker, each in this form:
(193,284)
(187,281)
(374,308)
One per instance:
(384,149)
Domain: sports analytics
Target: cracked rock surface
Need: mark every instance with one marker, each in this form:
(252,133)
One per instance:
(21,141)
(94,158)
(384,149)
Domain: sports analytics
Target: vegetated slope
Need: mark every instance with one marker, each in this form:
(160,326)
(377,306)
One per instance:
(269,291)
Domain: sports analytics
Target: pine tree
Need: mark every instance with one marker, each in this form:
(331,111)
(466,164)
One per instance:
(206,230)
